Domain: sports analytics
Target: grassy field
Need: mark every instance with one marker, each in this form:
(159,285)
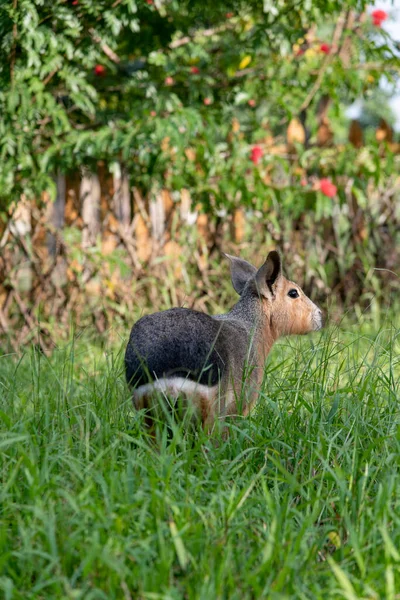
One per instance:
(302,501)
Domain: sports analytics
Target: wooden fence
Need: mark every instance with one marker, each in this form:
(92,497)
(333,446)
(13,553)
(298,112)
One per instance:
(38,267)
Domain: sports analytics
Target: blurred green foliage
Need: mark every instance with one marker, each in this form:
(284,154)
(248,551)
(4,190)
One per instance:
(179,92)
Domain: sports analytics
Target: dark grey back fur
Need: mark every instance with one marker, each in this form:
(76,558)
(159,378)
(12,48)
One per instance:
(207,349)
(185,343)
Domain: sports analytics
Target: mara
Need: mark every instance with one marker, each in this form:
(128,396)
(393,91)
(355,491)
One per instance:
(216,363)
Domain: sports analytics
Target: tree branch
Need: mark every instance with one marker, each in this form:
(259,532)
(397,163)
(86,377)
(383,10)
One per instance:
(334,49)
(105,47)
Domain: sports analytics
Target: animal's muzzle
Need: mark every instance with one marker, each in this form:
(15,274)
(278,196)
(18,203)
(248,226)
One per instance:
(318,319)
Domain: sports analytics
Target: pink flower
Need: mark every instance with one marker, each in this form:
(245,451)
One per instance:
(207,101)
(379,16)
(325,48)
(251,103)
(99,70)
(256,154)
(327,187)
(153,113)
(169,80)
(195,70)
(303,182)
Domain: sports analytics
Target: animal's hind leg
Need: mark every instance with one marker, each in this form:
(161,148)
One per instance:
(144,402)
(211,410)
(207,415)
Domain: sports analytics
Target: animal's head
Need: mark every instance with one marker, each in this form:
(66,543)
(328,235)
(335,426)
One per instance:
(289,310)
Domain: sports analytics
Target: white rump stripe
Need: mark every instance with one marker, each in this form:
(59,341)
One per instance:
(175,386)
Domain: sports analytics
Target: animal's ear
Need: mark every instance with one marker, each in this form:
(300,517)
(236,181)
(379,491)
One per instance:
(241,272)
(268,274)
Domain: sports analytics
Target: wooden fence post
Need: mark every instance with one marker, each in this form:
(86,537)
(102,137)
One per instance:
(21,227)
(142,226)
(238,225)
(57,213)
(157,218)
(90,194)
(121,198)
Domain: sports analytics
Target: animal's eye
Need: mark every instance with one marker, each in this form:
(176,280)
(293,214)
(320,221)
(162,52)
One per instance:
(293,293)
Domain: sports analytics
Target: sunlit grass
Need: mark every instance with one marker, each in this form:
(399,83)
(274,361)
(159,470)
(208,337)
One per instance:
(302,500)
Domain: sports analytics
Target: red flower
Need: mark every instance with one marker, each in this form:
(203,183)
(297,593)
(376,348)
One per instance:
(195,70)
(303,182)
(229,15)
(299,52)
(169,80)
(153,113)
(256,154)
(327,187)
(325,48)
(99,70)
(207,101)
(150,2)
(251,103)
(379,16)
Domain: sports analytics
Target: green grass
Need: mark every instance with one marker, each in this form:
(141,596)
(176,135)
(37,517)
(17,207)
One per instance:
(302,501)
